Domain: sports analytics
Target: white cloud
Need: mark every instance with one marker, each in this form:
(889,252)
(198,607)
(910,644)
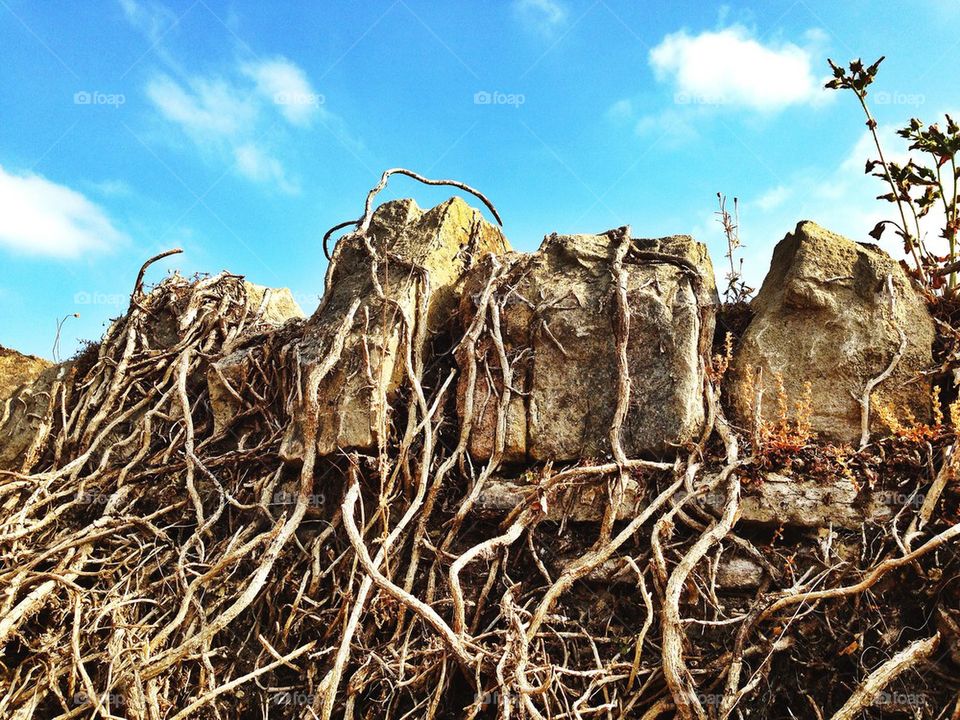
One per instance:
(227,116)
(244,115)
(252,162)
(286,85)
(545,16)
(730,67)
(207,107)
(40,217)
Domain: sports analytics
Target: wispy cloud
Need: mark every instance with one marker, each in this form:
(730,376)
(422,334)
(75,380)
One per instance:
(203,107)
(543,16)
(231,112)
(773,198)
(671,127)
(41,217)
(152,19)
(227,114)
(283,83)
(732,67)
(621,110)
(252,162)
(112,188)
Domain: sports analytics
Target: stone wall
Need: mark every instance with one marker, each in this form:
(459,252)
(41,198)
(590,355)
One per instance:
(557,314)
(544,331)
(832,318)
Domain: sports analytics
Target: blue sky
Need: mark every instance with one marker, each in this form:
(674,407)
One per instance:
(241,131)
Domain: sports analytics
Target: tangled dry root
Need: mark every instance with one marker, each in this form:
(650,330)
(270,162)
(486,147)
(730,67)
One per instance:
(153,569)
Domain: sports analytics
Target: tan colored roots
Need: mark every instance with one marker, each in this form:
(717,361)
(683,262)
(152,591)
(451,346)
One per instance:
(154,570)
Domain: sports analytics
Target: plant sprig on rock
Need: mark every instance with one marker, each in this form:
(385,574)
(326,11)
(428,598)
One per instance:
(915,188)
(737,289)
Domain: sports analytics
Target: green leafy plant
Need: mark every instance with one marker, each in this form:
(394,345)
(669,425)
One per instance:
(915,188)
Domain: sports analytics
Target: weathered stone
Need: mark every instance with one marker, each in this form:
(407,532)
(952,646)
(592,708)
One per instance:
(557,314)
(438,246)
(825,315)
(734,574)
(810,503)
(580,503)
(778,499)
(23,405)
(26,416)
(739,574)
(17,369)
(227,378)
(272,306)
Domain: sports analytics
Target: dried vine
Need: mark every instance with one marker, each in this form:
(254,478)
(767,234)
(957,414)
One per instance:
(154,568)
